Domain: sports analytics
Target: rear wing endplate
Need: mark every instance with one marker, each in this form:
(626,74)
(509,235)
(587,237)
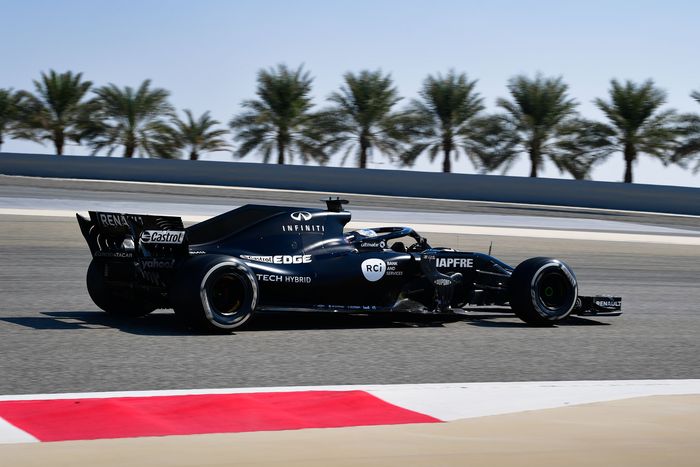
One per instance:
(117,235)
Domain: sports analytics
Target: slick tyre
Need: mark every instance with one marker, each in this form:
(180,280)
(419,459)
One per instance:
(214,294)
(109,300)
(542,291)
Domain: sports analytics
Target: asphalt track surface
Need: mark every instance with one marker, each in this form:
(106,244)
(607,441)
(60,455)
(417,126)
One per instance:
(54,339)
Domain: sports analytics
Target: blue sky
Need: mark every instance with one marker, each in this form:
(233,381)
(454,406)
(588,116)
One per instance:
(208,52)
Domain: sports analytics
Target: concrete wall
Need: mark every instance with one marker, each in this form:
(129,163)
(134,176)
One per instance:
(608,195)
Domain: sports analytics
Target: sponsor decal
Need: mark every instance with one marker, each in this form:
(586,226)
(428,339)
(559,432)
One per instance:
(380,244)
(455,263)
(112,220)
(109,219)
(373,269)
(304,228)
(297,279)
(197,252)
(301,216)
(391,269)
(156,263)
(279,259)
(608,303)
(170,237)
(113,254)
(284,279)
(442,282)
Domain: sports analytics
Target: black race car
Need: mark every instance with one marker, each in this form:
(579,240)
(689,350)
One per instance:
(218,273)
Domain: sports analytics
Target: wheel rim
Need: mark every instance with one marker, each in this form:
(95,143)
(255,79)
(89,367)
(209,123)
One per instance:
(226,293)
(229,295)
(554,290)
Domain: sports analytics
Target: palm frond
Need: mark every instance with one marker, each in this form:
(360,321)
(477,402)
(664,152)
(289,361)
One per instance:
(444,114)
(534,116)
(281,113)
(134,119)
(362,114)
(53,112)
(687,150)
(637,122)
(408,157)
(198,135)
(12,107)
(495,143)
(695,95)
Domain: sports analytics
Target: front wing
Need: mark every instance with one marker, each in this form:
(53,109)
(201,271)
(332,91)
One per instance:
(600,305)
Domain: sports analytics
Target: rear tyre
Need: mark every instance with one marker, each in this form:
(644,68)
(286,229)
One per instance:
(110,300)
(215,293)
(543,291)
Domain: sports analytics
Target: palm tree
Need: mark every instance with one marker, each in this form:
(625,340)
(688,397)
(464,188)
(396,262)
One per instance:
(11,106)
(361,119)
(444,118)
(637,125)
(134,119)
(689,147)
(199,135)
(534,121)
(54,112)
(280,119)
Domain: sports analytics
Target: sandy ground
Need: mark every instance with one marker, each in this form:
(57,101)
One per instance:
(648,431)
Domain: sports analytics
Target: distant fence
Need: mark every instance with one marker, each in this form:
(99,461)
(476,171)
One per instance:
(575,193)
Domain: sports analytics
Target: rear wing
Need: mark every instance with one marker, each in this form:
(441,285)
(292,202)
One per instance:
(117,235)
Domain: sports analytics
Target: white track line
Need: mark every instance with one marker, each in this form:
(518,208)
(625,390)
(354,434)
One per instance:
(454,229)
(10,434)
(326,193)
(484,399)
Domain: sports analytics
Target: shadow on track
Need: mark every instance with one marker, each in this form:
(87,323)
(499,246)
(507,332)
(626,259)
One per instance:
(488,321)
(156,324)
(167,324)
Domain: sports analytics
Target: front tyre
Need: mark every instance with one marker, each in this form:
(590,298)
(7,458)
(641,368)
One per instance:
(110,299)
(542,291)
(215,293)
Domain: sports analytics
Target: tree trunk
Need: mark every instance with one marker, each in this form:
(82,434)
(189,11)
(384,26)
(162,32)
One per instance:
(534,157)
(130,143)
(363,156)
(364,150)
(447,151)
(630,156)
(193,155)
(59,141)
(280,152)
(129,151)
(628,171)
(447,164)
(1,141)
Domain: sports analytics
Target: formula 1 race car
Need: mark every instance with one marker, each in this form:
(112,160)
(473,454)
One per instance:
(218,273)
